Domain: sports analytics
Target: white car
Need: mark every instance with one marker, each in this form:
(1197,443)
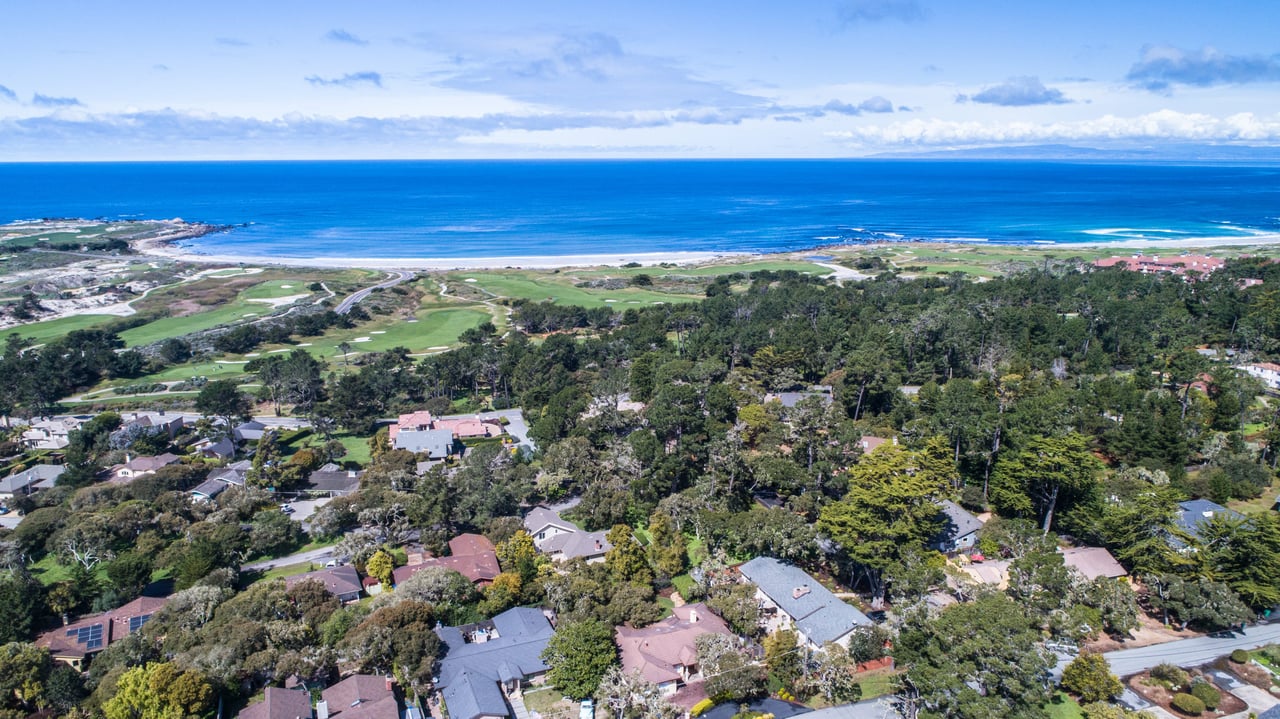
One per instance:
(287,508)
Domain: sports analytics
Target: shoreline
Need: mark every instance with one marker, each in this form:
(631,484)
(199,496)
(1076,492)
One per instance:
(165,247)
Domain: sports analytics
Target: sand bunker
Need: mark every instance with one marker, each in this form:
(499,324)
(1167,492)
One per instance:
(280,301)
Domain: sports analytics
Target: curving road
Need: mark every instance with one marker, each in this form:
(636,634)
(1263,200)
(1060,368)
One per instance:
(398,276)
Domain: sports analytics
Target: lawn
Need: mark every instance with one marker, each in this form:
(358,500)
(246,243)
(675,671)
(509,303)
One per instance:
(1064,707)
(53,329)
(543,287)
(50,571)
(288,570)
(709,270)
(549,703)
(434,328)
(357,448)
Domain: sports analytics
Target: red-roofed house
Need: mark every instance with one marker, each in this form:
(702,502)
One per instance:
(1176,265)
(359,696)
(78,641)
(1268,372)
(280,704)
(461,427)
(665,653)
(471,555)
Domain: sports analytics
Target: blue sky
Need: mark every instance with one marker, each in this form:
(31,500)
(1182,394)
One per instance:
(427,79)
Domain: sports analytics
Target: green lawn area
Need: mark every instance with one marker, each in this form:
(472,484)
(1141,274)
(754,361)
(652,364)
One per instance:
(709,270)
(40,332)
(559,289)
(49,571)
(289,570)
(357,448)
(1064,707)
(683,583)
(548,702)
(434,328)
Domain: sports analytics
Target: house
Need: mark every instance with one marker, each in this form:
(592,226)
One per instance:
(488,660)
(342,582)
(222,448)
(435,443)
(1268,372)
(232,475)
(869,444)
(159,422)
(789,400)
(140,466)
(250,431)
(280,703)
(1179,265)
(1093,562)
(561,539)
(207,490)
(80,640)
(1193,513)
(29,481)
(415,424)
(333,479)
(665,653)
(359,696)
(52,433)
(791,599)
(959,529)
(471,555)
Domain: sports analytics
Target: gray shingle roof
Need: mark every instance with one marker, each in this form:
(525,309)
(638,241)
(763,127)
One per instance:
(469,673)
(437,443)
(1195,512)
(958,522)
(39,473)
(210,488)
(818,614)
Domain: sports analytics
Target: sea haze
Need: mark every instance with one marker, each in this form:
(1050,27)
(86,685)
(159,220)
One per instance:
(451,209)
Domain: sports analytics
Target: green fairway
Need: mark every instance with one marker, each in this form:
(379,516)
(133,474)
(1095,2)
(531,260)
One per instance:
(242,307)
(40,332)
(559,289)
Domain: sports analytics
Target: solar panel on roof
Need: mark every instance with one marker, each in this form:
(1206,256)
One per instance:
(135,623)
(90,636)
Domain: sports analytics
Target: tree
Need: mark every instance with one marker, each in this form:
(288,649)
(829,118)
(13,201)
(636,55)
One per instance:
(579,655)
(21,602)
(175,350)
(626,558)
(1033,479)
(979,659)
(629,696)
(830,673)
(24,672)
(889,508)
(381,567)
(518,554)
(728,673)
(223,399)
(130,573)
(1089,677)
(159,691)
(1202,602)
(1244,554)
(782,656)
(666,545)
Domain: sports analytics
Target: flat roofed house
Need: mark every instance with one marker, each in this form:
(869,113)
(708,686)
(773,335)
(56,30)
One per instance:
(791,599)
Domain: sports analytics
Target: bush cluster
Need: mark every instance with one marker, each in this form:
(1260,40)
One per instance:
(1170,674)
(1206,693)
(1187,704)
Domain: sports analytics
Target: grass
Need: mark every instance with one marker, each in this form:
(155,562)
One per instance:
(877,683)
(683,583)
(549,702)
(41,332)
(357,448)
(667,606)
(559,289)
(288,570)
(434,328)
(1064,707)
(50,571)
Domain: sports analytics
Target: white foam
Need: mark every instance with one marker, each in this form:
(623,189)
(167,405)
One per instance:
(610,300)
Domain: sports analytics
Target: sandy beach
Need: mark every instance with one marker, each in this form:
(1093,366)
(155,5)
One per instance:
(167,249)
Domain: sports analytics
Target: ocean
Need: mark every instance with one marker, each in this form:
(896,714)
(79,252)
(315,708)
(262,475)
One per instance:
(456,209)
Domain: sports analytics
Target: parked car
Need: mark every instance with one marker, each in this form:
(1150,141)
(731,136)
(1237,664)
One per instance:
(287,508)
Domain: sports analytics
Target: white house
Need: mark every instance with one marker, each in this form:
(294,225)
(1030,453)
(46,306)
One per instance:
(1268,372)
(561,539)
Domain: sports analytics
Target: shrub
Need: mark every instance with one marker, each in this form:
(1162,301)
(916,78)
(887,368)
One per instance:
(1206,693)
(701,707)
(1089,677)
(1240,656)
(1187,704)
(1170,674)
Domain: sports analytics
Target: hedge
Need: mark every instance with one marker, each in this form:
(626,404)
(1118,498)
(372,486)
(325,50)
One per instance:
(1187,704)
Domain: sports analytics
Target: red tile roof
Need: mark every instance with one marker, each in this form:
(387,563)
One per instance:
(473,557)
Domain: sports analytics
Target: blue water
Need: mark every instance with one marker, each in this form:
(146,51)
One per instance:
(547,208)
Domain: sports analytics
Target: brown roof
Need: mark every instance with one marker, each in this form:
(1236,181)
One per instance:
(280,704)
(362,696)
(79,639)
(1093,562)
(472,556)
(338,580)
(659,650)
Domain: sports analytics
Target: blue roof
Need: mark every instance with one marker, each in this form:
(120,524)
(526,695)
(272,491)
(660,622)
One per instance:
(1195,512)
(818,614)
(469,673)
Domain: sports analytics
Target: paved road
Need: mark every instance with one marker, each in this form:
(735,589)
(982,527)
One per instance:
(346,305)
(318,556)
(1191,652)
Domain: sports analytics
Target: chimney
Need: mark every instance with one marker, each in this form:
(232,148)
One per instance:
(389,683)
(161,413)
(322,709)
(800,591)
(693,616)
(351,473)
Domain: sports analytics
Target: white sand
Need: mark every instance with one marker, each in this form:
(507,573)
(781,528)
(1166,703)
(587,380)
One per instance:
(279,301)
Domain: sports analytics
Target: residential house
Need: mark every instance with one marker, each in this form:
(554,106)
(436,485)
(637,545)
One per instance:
(869,444)
(359,696)
(1194,513)
(561,539)
(1268,372)
(1179,265)
(334,480)
(221,449)
(486,661)
(140,466)
(250,431)
(280,703)
(52,433)
(80,640)
(342,582)
(789,400)
(233,475)
(435,443)
(170,425)
(959,530)
(1093,562)
(665,653)
(414,425)
(471,555)
(791,599)
(29,481)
